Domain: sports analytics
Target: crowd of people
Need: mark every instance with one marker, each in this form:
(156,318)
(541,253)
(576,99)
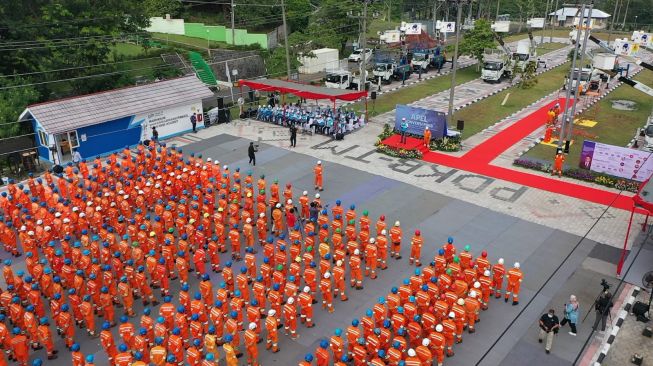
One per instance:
(418,322)
(316,119)
(151,224)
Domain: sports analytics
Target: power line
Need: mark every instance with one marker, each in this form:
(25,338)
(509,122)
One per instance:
(58,45)
(36,25)
(78,67)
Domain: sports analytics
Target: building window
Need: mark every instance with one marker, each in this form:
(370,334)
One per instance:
(73,139)
(43,138)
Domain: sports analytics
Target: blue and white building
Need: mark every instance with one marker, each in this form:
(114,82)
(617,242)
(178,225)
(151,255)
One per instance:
(104,122)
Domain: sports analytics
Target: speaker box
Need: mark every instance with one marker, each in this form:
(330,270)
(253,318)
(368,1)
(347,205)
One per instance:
(373,95)
(460,125)
(567,146)
(220,102)
(57,169)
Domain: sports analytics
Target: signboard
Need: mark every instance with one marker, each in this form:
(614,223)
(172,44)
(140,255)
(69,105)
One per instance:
(448,27)
(625,47)
(169,121)
(642,38)
(419,118)
(501,26)
(615,160)
(413,28)
(536,22)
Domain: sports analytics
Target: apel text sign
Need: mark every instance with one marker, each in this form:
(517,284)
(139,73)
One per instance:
(615,160)
(419,118)
(169,121)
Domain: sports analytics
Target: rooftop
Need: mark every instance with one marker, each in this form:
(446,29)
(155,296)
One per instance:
(573,12)
(85,110)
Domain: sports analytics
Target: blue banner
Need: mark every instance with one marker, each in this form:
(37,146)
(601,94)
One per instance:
(419,118)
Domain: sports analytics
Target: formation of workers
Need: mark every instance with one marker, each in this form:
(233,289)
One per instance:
(103,235)
(419,322)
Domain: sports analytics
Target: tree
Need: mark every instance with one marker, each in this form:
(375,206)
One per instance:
(159,8)
(12,103)
(476,40)
(298,13)
(528,78)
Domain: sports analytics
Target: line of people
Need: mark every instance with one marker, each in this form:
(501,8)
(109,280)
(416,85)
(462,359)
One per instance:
(419,322)
(319,119)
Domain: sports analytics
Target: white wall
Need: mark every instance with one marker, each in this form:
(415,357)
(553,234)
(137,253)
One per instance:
(170,26)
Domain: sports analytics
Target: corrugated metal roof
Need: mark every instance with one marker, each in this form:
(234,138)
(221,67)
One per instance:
(86,110)
(572,12)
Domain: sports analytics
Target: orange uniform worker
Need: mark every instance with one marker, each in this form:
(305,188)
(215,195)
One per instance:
(251,340)
(339,281)
(498,272)
(20,347)
(229,352)
(558,163)
(371,258)
(472,307)
(337,344)
(322,354)
(271,324)
(45,338)
(355,270)
(416,249)
(318,175)
(515,277)
(395,239)
(427,137)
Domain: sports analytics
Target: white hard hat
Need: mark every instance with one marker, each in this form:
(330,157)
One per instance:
(208,159)
(307,289)
(486,273)
(89,203)
(397,223)
(516,264)
(47,228)
(30,233)
(261,214)
(197,164)
(317,195)
(372,240)
(452,315)
(383,232)
(39,222)
(477,284)
(113,204)
(252,326)
(271,312)
(216,162)
(66,220)
(278,205)
(460,302)
(289,202)
(305,193)
(438,328)
(106,194)
(57,214)
(82,214)
(426,342)
(339,263)
(357,252)
(290,300)
(225,167)
(248,220)
(75,209)
(500,260)
(411,352)
(319,162)
(98,208)
(23,228)
(125,196)
(327,275)
(472,293)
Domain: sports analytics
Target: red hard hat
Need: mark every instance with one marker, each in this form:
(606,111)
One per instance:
(382,218)
(472,264)
(417,232)
(484,254)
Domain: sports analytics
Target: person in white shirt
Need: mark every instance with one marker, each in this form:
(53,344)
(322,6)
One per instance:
(77,157)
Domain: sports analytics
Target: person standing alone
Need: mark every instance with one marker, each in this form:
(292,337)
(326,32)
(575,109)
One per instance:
(404,129)
(549,326)
(251,152)
(571,314)
(193,122)
(293,135)
(602,308)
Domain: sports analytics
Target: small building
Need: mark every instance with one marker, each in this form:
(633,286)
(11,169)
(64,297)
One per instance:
(104,122)
(319,60)
(569,17)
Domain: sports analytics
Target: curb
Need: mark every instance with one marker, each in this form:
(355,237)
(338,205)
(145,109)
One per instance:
(620,321)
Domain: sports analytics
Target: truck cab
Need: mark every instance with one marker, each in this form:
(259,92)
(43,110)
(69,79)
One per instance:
(494,69)
(584,79)
(421,60)
(338,80)
(384,71)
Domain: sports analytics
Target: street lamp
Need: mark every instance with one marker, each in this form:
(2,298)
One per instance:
(208,46)
(635,22)
(454,62)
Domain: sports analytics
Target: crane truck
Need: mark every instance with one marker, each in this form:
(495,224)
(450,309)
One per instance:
(497,64)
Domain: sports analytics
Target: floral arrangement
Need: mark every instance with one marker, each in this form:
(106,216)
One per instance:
(581,174)
(449,144)
(398,153)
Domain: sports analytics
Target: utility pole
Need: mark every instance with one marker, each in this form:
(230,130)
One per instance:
(623,24)
(233,20)
(555,22)
(363,64)
(285,38)
(455,60)
(616,4)
(498,3)
(546,14)
(570,82)
(435,12)
(580,69)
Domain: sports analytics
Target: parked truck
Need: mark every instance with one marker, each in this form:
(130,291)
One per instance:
(342,79)
(390,70)
(497,64)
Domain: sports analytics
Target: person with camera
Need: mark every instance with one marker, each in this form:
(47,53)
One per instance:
(549,326)
(602,307)
(571,314)
(251,153)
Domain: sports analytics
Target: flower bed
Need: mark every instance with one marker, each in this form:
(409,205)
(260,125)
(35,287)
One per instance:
(449,144)
(398,153)
(581,174)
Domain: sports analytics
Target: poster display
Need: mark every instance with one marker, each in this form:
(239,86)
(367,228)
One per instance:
(616,160)
(169,121)
(413,28)
(419,118)
(448,27)
(642,38)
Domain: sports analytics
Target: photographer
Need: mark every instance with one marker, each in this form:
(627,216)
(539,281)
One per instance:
(549,325)
(251,152)
(602,308)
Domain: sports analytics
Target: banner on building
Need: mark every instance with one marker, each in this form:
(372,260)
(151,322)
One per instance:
(419,118)
(448,27)
(170,121)
(616,160)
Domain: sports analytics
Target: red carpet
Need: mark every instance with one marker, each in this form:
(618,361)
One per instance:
(477,160)
(411,143)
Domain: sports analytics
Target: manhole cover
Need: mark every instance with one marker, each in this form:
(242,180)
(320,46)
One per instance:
(624,105)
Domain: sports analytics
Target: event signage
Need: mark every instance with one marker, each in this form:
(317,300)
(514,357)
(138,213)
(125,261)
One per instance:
(615,160)
(169,121)
(448,27)
(413,28)
(419,118)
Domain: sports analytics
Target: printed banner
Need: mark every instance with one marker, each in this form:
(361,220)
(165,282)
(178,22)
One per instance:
(419,118)
(169,121)
(413,28)
(615,160)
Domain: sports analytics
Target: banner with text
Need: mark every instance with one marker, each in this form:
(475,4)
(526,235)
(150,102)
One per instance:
(419,118)
(169,121)
(616,160)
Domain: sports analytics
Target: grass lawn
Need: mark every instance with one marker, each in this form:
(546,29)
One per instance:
(615,127)
(388,102)
(488,111)
(127,50)
(188,42)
